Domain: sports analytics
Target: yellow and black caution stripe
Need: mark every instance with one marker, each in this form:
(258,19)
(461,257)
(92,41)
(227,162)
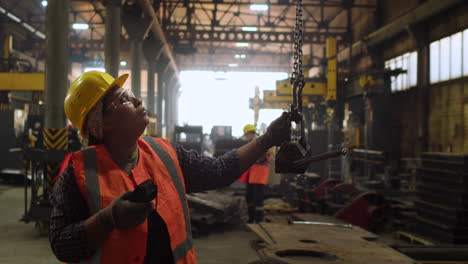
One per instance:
(54,139)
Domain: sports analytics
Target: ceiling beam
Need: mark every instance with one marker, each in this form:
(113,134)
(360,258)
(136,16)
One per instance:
(316,3)
(252,37)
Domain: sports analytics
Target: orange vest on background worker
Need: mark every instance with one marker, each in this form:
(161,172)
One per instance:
(258,173)
(158,162)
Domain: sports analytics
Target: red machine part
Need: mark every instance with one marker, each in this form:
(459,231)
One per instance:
(323,187)
(368,210)
(345,188)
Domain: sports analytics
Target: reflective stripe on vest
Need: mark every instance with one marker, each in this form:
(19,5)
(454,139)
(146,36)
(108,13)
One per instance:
(93,192)
(181,250)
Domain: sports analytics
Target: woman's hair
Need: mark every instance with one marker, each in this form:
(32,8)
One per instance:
(92,127)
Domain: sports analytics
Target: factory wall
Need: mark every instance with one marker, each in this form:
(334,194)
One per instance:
(446,116)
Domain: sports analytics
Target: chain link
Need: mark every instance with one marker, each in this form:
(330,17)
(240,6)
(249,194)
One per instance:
(297,72)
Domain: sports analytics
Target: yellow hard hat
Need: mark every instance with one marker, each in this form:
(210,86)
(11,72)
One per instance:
(249,128)
(85,92)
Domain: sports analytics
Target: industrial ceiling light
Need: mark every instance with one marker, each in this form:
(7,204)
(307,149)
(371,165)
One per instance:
(28,27)
(240,56)
(249,29)
(258,7)
(242,44)
(40,34)
(44,3)
(15,18)
(80,26)
(232,65)
(123,63)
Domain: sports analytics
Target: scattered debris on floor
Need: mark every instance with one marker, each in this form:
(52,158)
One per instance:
(213,208)
(312,238)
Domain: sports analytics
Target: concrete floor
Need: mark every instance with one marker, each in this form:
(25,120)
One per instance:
(21,243)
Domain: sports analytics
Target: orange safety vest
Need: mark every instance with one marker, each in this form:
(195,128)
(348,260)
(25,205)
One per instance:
(257,173)
(101,181)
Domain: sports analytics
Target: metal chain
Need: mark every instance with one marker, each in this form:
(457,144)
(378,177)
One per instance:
(298,41)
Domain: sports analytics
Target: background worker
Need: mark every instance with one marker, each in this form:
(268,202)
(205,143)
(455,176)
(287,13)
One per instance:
(256,178)
(93,218)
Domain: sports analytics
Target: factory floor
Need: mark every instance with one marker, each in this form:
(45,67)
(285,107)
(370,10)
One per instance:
(21,243)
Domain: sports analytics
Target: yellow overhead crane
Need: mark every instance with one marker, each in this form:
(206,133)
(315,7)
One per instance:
(281,98)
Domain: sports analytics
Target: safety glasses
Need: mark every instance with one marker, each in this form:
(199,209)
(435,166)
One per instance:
(125,97)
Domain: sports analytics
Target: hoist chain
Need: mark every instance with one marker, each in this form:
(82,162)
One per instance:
(297,73)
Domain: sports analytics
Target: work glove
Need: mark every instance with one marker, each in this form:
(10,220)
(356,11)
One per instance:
(124,214)
(277,132)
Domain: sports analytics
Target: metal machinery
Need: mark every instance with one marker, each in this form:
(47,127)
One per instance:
(442,198)
(37,207)
(190,137)
(295,156)
(310,98)
(24,157)
(21,96)
(223,140)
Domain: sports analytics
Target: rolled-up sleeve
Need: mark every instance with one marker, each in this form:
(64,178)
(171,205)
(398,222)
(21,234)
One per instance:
(202,173)
(67,235)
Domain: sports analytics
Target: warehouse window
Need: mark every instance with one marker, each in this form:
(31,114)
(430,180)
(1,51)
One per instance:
(449,57)
(407,62)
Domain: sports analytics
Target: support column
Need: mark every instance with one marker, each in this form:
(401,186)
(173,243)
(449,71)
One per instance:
(112,37)
(136,26)
(57,65)
(423,95)
(170,99)
(176,103)
(162,64)
(151,86)
(159,106)
(152,50)
(418,33)
(168,103)
(136,67)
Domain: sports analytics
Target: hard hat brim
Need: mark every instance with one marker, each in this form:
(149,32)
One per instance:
(120,81)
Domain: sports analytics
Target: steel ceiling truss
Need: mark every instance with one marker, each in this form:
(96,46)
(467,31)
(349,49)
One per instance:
(308,3)
(270,29)
(252,37)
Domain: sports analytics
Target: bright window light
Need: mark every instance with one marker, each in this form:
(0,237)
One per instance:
(242,44)
(249,29)
(80,26)
(233,65)
(240,56)
(238,87)
(257,7)
(44,3)
(15,18)
(94,69)
(123,63)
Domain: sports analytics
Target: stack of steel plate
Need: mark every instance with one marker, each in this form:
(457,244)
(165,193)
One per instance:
(442,203)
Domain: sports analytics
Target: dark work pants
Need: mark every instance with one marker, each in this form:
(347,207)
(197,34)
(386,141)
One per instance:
(254,197)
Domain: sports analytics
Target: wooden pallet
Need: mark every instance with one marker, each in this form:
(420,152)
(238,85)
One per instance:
(413,239)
